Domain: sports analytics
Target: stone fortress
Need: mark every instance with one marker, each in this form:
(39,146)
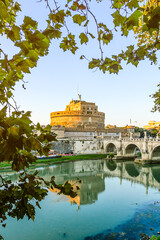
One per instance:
(80,129)
(82,120)
(80,115)
(81,126)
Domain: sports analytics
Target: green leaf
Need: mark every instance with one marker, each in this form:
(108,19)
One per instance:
(133,4)
(107,38)
(58,17)
(3,112)
(35,143)
(77,18)
(83,37)
(94,63)
(13,130)
(74,6)
(133,20)
(68,43)
(117,18)
(117,4)
(37,203)
(154,20)
(4,12)
(16,32)
(29,23)
(33,55)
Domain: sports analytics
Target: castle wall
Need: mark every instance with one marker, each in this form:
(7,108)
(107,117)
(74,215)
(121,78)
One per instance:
(79,114)
(77,120)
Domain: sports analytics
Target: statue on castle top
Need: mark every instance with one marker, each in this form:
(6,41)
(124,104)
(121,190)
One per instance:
(79,95)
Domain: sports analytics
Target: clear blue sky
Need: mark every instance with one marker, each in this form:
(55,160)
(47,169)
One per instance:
(58,77)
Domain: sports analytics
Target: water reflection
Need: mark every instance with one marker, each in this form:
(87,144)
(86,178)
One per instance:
(132,170)
(112,198)
(93,174)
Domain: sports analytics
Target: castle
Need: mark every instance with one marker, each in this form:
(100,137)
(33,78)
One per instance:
(79,115)
(82,120)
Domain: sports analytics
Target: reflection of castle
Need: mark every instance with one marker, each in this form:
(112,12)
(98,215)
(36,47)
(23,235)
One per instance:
(93,174)
(90,174)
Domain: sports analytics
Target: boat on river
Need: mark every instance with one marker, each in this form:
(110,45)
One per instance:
(50,156)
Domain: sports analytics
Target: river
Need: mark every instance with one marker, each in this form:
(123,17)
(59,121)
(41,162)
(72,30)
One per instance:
(117,200)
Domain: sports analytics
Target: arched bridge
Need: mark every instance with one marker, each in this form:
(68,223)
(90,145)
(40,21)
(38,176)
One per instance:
(148,149)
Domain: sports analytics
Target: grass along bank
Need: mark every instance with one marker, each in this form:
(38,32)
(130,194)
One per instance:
(59,160)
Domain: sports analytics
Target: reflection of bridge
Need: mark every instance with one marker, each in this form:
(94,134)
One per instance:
(94,175)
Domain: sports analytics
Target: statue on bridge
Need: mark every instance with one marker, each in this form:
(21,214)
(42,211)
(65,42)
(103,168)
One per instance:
(130,135)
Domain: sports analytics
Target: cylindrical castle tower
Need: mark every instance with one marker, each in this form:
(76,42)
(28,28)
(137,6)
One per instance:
(79,114)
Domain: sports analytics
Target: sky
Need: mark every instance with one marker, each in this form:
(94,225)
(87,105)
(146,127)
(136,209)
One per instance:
(59,77)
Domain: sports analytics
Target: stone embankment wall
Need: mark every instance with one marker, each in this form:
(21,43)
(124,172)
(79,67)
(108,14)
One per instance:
(88,146)
(78,146)
(62,146)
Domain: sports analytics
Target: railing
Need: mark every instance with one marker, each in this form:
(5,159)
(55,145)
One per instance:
(132,139)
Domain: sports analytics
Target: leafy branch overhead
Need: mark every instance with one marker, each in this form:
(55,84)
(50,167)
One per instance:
(137,16)
(19,137)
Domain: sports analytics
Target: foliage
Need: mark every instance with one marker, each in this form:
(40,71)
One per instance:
(18,138)
(31,43)
(156,97)
(141,130)
(18,135)
(111,156)
(146,237)
(142,35)
(155,237)
(150,133)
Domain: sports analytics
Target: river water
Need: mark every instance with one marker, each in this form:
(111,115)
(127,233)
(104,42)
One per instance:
(117,200)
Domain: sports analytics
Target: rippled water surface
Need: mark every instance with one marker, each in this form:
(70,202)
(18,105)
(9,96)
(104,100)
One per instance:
(116,201)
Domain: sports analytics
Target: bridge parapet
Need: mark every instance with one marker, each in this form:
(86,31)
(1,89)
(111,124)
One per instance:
(132,140)
(153,140)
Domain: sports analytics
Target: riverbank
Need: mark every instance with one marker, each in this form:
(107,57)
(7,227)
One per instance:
(39,162)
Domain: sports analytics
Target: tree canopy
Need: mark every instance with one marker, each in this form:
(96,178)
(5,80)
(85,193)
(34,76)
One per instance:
(138,17)
(18,135)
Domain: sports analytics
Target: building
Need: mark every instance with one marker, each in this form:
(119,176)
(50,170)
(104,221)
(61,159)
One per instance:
(152,125)
(81,120)
(80,115)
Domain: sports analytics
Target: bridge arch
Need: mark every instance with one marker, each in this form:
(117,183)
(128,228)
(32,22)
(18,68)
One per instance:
(132,149)
(155,155)
(111,148)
